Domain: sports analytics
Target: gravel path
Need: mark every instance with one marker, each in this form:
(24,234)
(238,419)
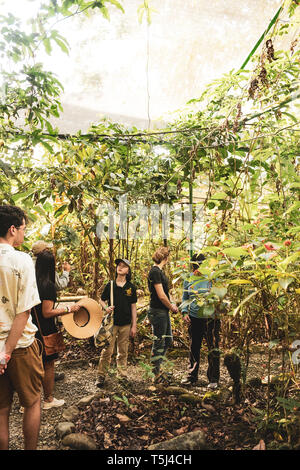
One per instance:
(78,382)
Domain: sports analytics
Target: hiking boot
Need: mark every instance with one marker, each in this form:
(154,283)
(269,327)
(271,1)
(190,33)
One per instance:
(100,381)
(59,376)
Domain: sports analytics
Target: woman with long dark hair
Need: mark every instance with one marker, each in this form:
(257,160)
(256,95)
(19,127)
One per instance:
(46,313)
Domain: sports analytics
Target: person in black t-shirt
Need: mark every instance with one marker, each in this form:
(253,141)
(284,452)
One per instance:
(124,319)
(159,310)
(46,313)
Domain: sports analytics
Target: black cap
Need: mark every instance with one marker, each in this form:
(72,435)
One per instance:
(119,260)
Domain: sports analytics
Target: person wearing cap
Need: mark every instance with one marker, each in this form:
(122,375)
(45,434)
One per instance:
(21,367)
(61,281)
(124,319)
(200,326)
(158,313)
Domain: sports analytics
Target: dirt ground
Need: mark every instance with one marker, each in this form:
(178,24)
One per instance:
(135,415)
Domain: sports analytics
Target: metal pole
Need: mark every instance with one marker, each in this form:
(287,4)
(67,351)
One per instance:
(191,208)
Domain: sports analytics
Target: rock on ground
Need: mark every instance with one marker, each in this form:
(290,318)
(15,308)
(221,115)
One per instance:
(189,441)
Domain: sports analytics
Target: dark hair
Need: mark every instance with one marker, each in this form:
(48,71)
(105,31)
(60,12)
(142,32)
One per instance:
(11,215)
(128,275)
(198,258)
(45,269)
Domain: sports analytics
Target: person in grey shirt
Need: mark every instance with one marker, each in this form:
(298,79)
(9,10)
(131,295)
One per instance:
(61,281)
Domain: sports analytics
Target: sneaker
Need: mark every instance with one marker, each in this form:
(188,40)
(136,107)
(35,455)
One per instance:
(189,381)
(100,381)
(53,404)
(212,385)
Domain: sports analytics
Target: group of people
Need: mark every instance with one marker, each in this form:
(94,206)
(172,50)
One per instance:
(28,295)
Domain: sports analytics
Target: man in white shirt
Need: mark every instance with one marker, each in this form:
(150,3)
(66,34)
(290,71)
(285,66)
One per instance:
(21,367)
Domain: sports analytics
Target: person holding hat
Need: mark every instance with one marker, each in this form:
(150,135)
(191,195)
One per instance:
(200,326)
(61,281)
(123,309)
(46,313)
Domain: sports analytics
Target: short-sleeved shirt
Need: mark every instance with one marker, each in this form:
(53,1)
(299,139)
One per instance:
(124,297)
(48,325)
(18,293)
(157,276)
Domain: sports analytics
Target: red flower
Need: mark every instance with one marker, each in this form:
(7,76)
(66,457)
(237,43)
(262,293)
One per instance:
(287,242)
(269,246)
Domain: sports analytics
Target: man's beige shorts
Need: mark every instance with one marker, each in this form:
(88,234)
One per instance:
(24,375)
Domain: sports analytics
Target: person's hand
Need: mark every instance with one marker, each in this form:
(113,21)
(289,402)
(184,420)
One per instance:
(66,266)
(75,308)
(187,319)
(4,358)
(110,309)
(133,331)
(174,308)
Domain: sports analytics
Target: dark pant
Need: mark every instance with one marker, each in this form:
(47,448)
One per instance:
(209,329)
(161,329)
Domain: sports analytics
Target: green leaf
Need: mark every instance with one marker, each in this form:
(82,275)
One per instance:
(47,146)
(60,210)
(290,259)
(284,282)
(253,294)
(235,252)
(219,291)
(239,282)
(47,45)
(62,45)
(117,4)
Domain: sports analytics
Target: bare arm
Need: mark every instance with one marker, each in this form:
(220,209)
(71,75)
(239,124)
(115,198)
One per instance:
(49,312)
(163,298)
(15,334)
(16,331)
(105,307)
(133,320)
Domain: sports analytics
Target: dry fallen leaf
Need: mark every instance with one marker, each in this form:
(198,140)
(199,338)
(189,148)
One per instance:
(208,407)
(107,440)
(181,430)
(122,418)
(260,446)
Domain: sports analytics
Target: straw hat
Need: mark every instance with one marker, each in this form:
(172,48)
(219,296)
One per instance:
(40,246)
(86,322)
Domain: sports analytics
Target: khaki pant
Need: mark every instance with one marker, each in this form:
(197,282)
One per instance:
(121,336)
(24,374)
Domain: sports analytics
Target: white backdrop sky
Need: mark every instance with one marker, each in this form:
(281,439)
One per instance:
(190,44)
